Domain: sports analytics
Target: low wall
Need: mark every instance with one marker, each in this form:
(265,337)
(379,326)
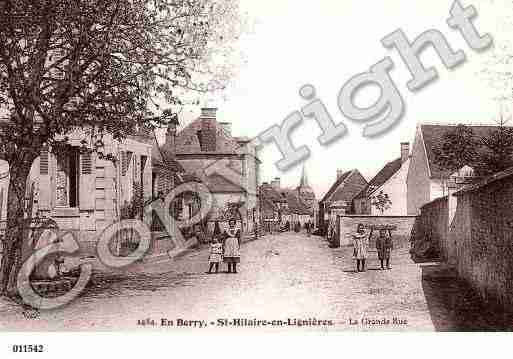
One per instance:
(347,226)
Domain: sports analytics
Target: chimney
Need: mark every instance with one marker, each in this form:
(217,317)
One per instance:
(340,172)
(209,112)
(227,127)
(405,151)
(276,183)
(208,132)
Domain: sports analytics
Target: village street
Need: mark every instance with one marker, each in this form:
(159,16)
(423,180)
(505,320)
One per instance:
(282,276)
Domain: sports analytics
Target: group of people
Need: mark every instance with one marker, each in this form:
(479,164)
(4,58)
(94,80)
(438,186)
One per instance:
(225,247)
(384,246)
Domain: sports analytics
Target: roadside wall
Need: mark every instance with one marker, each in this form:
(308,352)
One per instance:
(347,226)
(484,240)
(430,230)
(479,239)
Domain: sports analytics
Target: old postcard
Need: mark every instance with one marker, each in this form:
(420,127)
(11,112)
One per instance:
(241,166)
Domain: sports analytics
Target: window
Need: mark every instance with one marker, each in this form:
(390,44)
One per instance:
(244,164)
(66,179)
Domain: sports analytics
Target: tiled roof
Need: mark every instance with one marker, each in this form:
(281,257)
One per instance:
(188,140)
(335,185)
(347,187)
(294,203)
(381,177)
(433,135)
(218,184)
(162,158)
(269,192)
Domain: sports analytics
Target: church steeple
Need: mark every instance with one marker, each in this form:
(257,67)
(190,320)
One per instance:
(304,178)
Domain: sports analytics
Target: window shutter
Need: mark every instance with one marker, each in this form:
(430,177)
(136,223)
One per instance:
(45,189)
(123,163)
(1,203)
(87,186)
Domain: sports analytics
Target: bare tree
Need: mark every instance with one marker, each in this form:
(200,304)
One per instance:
(109,66)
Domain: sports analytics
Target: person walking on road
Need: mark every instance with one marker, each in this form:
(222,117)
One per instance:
(361,245)
(231,246)
(384,245)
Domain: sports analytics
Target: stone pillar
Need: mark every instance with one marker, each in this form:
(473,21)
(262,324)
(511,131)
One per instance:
(454,184)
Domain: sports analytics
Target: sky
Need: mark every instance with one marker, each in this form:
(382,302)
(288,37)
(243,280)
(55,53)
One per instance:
(325,43)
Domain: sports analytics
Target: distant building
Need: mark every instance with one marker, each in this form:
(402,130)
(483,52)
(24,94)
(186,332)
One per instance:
(339,198)
(201,144)
(307,196)
(390,183)
(426,181)
(289,205)
(272,204)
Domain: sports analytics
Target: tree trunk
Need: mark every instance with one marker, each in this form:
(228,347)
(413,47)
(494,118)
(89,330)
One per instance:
(15,228)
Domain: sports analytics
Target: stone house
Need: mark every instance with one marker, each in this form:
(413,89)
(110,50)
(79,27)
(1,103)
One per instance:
(201,144)
(272,205)
(426,181)
(338,200)
(295,211)
(83,192)
(390,181)
(291,207)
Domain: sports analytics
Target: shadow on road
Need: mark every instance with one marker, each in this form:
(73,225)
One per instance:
(455,306)
(113,285)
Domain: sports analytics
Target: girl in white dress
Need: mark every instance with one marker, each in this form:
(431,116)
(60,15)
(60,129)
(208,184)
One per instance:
(231,246)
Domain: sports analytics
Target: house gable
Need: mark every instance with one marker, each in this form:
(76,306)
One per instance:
(347,187)
(418,180)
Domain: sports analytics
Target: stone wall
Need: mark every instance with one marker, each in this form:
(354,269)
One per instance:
(478,241)
(430,230)
(482,232)
(347,226)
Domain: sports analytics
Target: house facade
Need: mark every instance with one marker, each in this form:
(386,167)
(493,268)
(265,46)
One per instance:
(83,192)
(338,200)
(390,186)
(205,142)
(426,181)
(272,204)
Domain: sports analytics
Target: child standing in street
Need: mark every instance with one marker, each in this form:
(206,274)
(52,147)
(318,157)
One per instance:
(216,255)
(384,246)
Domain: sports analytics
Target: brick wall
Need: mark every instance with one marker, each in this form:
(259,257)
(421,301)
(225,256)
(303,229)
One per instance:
(347,226)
